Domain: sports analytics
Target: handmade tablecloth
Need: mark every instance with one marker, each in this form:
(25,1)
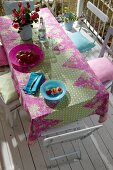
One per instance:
(85,93)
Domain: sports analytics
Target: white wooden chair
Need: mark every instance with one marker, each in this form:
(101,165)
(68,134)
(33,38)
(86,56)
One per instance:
(94,19)
(9,100)
(51,4)
(103,65)
(71,132)
(91,28)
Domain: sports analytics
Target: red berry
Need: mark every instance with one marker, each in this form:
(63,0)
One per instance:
(37,56)
(54,91)
(48,91)
(27,52)
(59,89)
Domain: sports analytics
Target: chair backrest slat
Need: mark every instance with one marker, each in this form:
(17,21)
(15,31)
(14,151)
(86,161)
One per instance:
(96,21)
(107,45)
(97,12)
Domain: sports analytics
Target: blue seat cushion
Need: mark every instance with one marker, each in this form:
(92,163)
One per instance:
(81,42)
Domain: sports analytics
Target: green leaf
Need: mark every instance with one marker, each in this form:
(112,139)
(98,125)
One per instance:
(20,28)
(36,20)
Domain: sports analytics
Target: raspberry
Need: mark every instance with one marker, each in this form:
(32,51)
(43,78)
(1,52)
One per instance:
(59,89)
(48,91)
(54,91)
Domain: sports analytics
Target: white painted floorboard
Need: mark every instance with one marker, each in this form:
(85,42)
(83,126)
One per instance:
(16,154)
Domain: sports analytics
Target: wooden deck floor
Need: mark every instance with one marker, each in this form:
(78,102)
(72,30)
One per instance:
(16,154)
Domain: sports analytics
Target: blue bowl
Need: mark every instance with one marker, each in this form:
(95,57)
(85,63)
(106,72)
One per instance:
(52,84)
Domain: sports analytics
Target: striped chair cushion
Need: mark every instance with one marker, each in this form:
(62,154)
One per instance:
(7,90)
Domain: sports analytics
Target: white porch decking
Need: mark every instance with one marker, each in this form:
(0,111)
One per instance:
(16,154)
(96,150)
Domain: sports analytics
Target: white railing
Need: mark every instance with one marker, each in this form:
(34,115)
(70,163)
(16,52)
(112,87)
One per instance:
(105,6)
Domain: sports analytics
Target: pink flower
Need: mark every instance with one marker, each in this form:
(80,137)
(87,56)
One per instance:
(21,14)
(16,25)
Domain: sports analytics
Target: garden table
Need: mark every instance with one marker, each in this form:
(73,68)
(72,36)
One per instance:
(85,95)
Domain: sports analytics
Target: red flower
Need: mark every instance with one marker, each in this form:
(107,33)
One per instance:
(14,10)
(24,16)
(15,13)
(37,9)
(23,8)
(20,4)
(28,4)
(16,25)
(34,15)
(22,21)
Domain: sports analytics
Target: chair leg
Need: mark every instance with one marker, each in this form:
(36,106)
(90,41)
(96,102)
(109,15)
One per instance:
(14,115)
(112,88)
(9,116)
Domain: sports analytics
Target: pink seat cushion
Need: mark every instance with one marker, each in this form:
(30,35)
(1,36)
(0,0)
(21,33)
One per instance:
(3,57)
(103,68)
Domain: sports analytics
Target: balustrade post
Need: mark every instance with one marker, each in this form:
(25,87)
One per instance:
(79,10)
(79,7)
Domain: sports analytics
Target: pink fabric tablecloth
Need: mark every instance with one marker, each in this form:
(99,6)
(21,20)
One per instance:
(85,93)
